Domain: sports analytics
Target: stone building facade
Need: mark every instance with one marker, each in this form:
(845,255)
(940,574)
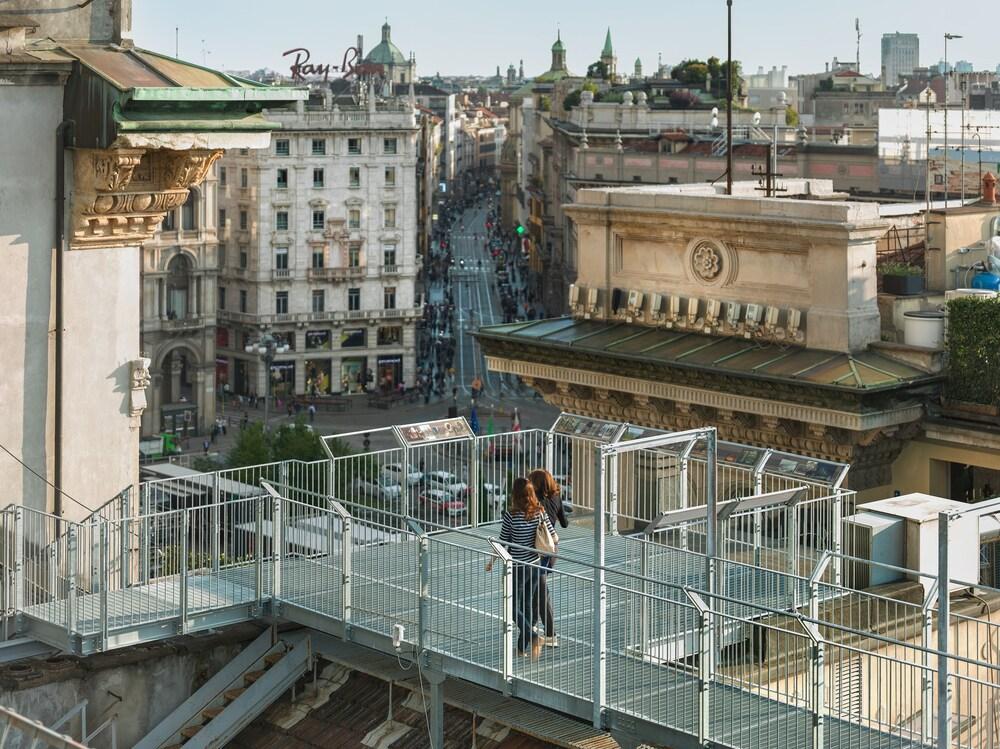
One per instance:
(320,251)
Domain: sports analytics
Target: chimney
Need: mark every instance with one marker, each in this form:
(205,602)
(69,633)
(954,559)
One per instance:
(989,189)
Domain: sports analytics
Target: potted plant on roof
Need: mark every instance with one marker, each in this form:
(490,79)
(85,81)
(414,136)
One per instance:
(902,279)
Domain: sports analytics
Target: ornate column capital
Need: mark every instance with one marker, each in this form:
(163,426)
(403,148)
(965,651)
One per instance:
(121,195)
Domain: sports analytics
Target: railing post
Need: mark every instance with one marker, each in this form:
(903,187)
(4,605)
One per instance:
(758,515)
(507,602)
(71,562)
(474,486)
(144,511)
(712,530)
(599,593)
(705,648)
(185,528)
(124,508)
(927,674)
(278,548)
(18,559)
(424,586)
(550,452)
(944,624)
(346,552)
(216,521)
(404,482)
(54,570)
(817,707)
(259,552)
(644,603)
(836,535)
(104,574)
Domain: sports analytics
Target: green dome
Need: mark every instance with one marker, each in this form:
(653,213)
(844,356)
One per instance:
(385,52)
(558,46)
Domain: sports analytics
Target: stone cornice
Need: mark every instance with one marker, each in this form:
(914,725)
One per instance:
(121,196)
(771,408)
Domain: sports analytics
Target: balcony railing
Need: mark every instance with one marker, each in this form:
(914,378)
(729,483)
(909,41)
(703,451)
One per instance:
(390,270)
(281,274)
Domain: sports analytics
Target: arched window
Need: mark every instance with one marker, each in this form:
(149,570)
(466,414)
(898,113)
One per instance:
(178,287)
(189,212)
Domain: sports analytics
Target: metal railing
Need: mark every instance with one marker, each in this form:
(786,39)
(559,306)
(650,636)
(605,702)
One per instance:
(17,730)
(737,632)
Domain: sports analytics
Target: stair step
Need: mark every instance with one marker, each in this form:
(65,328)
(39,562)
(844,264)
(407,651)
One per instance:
(273,658)
(189,731)
(232,694)
(251,677)
(211,713)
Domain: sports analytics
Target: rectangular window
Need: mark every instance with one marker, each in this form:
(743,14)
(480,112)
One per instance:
(170,221)
(318,300)
(389,255)
(318,177)
(318,257)
(319,220)
(222,297)
(243,300)
(389,297)
(188,212)
(281,303)
(222,255)
(244,220)
(244,178)
(354,176)
(318,339)
(353,338)
(244,152)
(318,147)
(354,255)
(282,179)
(281,258)
(353,300)
(389,145)
(222,219)
(354,218)
(222,176)
(390,176)
(281,221)
(390,336)
(354,146)
(281,147)
(389,217)
(243,256)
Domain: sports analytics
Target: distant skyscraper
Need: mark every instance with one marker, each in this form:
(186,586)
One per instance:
(900,55)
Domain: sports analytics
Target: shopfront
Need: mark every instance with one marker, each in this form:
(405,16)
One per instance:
(283,379)
(389,372)
(353,373)
(318,376)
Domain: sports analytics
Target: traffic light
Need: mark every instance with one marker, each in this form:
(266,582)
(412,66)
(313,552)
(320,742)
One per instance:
(519,230)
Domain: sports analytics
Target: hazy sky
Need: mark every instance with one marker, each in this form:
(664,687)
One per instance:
(474,37)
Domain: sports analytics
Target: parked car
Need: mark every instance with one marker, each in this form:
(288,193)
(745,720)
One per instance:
(495,495)
(382,487)
(395,472)
(446,481)
(565,491)
(442,502)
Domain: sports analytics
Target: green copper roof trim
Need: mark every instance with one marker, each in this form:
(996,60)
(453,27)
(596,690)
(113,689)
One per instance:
(235,94)
(200,120)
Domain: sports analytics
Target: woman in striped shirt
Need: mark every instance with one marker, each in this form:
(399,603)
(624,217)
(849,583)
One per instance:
(517,531)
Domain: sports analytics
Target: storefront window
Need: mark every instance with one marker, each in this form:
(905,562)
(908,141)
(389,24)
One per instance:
(283,378)
(390,372)
(318,340)
(390,336)
(318,376)
(353,338)
(353,374)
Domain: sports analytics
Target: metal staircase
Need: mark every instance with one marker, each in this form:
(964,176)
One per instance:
(241,691)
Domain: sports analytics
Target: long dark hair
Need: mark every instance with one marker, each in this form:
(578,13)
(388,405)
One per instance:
(523,499)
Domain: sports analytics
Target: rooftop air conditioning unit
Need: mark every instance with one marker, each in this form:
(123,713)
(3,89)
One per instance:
(690,318)
(656,308)
(574,298)
(590,306)
(672,313)
(712,309)
(733,310)
(752,320)
(771,319)
(634,309)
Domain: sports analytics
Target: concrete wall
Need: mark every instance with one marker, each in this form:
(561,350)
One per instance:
(101,337)
(139,688)
(97,21)
(948,234)
(31,114)
(818,257)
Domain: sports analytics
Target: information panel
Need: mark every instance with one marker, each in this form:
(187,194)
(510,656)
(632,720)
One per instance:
(435,431)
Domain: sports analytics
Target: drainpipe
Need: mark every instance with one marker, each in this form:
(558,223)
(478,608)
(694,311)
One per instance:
(64,136)
(608,254)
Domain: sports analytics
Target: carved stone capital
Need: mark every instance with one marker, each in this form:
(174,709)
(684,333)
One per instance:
(138,382)
(120,196)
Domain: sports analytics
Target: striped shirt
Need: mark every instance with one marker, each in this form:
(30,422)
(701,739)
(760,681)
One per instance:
(515,528)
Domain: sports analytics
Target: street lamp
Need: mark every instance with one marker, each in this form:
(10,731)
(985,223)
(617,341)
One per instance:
(947,80)
(267,347)
(729,99)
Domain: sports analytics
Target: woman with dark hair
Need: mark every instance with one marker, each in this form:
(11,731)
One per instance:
(547,491)
(519,525)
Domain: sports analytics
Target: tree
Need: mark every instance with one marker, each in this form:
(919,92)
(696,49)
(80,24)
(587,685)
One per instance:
(251,447)
(791,117)
(682,99)
(597,70)
(691,72)
(296,442)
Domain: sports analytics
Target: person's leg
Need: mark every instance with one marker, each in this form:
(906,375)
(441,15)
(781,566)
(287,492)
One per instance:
(521,604)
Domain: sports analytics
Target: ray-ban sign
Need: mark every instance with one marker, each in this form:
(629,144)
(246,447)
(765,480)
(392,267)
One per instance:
(350,65)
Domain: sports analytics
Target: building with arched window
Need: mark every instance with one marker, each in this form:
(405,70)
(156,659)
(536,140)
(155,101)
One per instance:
(180,268)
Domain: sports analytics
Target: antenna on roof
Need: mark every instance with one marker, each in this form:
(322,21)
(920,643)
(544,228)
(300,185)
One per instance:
(857,28)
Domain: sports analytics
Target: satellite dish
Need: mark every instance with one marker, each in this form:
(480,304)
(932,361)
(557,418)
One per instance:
(756,118)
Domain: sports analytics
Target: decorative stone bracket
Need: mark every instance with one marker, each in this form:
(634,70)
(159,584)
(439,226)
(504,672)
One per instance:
(121,196)
(138,382)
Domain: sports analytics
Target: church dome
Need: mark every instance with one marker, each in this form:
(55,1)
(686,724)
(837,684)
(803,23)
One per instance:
(385,52)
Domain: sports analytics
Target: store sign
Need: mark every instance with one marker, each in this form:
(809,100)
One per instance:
(351,65)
